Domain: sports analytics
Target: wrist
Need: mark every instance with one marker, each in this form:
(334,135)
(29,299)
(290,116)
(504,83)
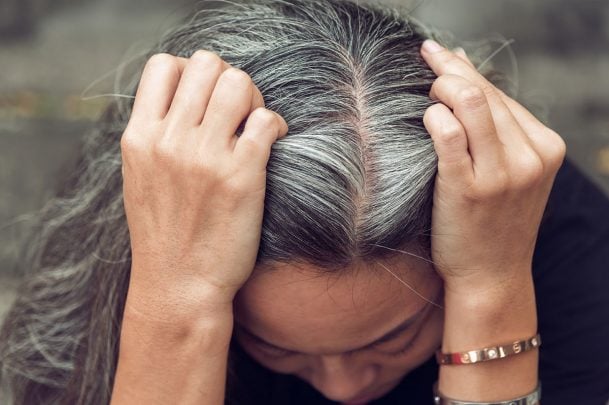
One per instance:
(486,317)
(172,362)
(165,319)
(139,332)
(479,317)
(174,298)
(489,280)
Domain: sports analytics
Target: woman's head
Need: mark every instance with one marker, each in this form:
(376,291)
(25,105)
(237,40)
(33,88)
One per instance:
(349,186)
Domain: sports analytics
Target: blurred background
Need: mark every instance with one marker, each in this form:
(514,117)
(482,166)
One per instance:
(55,54)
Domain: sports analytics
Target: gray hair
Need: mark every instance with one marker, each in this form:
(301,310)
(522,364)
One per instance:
(352,180)
(356,169)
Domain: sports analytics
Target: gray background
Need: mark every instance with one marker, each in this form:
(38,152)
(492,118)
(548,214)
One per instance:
(50,52)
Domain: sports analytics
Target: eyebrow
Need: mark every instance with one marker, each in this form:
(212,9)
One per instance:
(392,334)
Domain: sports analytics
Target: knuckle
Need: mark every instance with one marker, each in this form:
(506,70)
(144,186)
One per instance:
(163,151)
(161,64)
(446,80)
(430,114)
(237,77)
(471,97)
(557,148)
(442,84)
(206,57)
(530,170)
(450,133)
(161,60)
(263,118)
(129,143)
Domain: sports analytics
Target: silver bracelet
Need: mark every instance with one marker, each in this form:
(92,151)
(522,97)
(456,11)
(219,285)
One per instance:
(529,399)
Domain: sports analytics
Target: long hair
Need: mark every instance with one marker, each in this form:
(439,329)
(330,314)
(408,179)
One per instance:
(353,179)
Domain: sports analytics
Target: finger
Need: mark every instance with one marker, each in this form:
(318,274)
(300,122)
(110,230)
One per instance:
(526,120)
(533,135)
(230,104)
(444,62)
(157,87)
(262,128)
(450,142)
(547,143)
(257,100)
(460,52)
(472,109)
(195,88)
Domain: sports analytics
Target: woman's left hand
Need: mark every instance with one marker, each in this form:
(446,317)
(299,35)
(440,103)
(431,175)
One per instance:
(496,167)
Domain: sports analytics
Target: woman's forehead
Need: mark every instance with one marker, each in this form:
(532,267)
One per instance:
(305,285)
(297,306)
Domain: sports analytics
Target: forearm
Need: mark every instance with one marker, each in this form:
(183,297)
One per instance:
(480,319)
(193,193)
(172,363)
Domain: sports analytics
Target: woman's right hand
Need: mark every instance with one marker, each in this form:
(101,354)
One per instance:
(193,190)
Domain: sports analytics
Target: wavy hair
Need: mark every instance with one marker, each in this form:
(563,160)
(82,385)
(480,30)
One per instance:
(352,180)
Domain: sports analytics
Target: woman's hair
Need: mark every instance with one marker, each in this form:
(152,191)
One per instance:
(352,180)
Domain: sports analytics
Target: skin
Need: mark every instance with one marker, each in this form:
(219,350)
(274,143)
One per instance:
(194,197)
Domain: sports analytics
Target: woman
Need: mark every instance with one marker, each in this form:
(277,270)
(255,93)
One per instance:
(276,218)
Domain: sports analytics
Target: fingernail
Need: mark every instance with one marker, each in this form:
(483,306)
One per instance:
(432,46)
